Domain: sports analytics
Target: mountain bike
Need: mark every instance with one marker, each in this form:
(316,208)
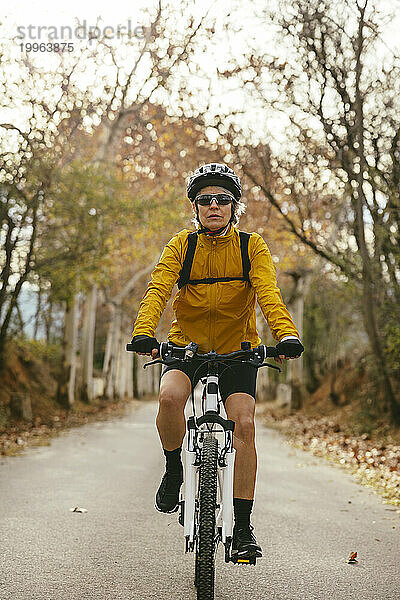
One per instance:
(206,504)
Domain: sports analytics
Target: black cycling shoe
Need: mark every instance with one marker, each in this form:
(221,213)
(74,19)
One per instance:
(244,543)
(167,497)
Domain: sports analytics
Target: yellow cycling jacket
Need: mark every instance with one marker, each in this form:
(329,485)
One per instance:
(220,315)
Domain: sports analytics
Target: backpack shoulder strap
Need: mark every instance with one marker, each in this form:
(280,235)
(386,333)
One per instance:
(244,250)
(184,275)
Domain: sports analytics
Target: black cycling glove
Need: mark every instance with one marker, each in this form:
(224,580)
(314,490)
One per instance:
(290,348)
(144,343)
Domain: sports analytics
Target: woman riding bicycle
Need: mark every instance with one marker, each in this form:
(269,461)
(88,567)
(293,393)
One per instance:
(220,272)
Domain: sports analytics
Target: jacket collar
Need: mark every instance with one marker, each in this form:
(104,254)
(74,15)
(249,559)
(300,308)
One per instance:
(221,240)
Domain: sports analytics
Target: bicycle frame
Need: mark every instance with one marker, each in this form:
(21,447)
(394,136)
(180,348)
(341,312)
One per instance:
(219,458)
(208,423)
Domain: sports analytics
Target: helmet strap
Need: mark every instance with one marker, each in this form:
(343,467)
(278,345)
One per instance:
(211,232)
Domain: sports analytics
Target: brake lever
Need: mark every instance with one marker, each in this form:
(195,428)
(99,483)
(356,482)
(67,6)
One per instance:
(271,366)
(169,361)
(154,362)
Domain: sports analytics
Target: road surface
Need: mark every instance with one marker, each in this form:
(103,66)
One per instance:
(308,517)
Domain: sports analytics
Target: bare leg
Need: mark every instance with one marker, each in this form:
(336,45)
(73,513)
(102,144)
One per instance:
(240,408)
(174,391)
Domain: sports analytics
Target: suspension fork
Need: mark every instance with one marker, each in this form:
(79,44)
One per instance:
(192,462)
(227,495)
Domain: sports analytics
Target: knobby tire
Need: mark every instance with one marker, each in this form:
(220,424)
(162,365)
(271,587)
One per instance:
(205,549)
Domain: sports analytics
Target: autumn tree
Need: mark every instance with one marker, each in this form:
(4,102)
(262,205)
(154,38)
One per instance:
(333,179)
(67,123)
(156,153)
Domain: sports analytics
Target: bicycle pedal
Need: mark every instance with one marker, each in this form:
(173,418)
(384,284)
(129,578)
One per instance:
(246,560)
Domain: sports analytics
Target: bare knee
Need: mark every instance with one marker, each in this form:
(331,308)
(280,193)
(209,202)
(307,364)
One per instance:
(171,401)
(174,391)
(245,429)
(173,394)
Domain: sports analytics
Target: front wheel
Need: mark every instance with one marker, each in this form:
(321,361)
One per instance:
(205,548)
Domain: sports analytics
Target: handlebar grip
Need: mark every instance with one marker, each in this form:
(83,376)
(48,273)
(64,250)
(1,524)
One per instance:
(270,351)
(163,349)
(132,348)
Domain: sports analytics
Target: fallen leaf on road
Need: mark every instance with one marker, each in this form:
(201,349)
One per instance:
(352,558)
(78,509)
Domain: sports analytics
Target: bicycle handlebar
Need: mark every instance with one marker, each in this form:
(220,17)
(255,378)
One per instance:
(168,352)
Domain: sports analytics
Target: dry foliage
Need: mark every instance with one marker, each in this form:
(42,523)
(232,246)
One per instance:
(375,464)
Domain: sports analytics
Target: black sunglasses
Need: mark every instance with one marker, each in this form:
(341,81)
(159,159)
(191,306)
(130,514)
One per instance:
(220,199)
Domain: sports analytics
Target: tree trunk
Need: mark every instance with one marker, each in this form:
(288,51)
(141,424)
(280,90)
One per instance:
(107,351)
(295,367)
(124,367)
(141,376)
(37,315)
(263,386)
(66,384)
(111,354)
(147,383)
(20,319)
(368,281)
(114,332)
(129,374)
(88,334)
(8,248)
(49,320)
(124,380)
(25,270)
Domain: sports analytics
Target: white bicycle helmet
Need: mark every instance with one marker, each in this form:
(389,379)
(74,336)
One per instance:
(214,174)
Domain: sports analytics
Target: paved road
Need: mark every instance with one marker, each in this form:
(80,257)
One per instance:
(308,516)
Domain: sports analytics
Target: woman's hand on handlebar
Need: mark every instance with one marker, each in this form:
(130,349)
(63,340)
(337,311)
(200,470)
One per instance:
(289,348)
(154,353)
(145,345)
(279,358)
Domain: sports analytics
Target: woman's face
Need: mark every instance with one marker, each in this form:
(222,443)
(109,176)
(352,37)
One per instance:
(214,216)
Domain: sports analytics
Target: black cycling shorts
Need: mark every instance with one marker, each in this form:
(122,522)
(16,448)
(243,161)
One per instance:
(234,377)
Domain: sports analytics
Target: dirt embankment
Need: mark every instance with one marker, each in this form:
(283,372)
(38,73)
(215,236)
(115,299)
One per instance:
(29,412)
(344,422)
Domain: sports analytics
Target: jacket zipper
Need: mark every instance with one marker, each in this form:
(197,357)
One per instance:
(212,296)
